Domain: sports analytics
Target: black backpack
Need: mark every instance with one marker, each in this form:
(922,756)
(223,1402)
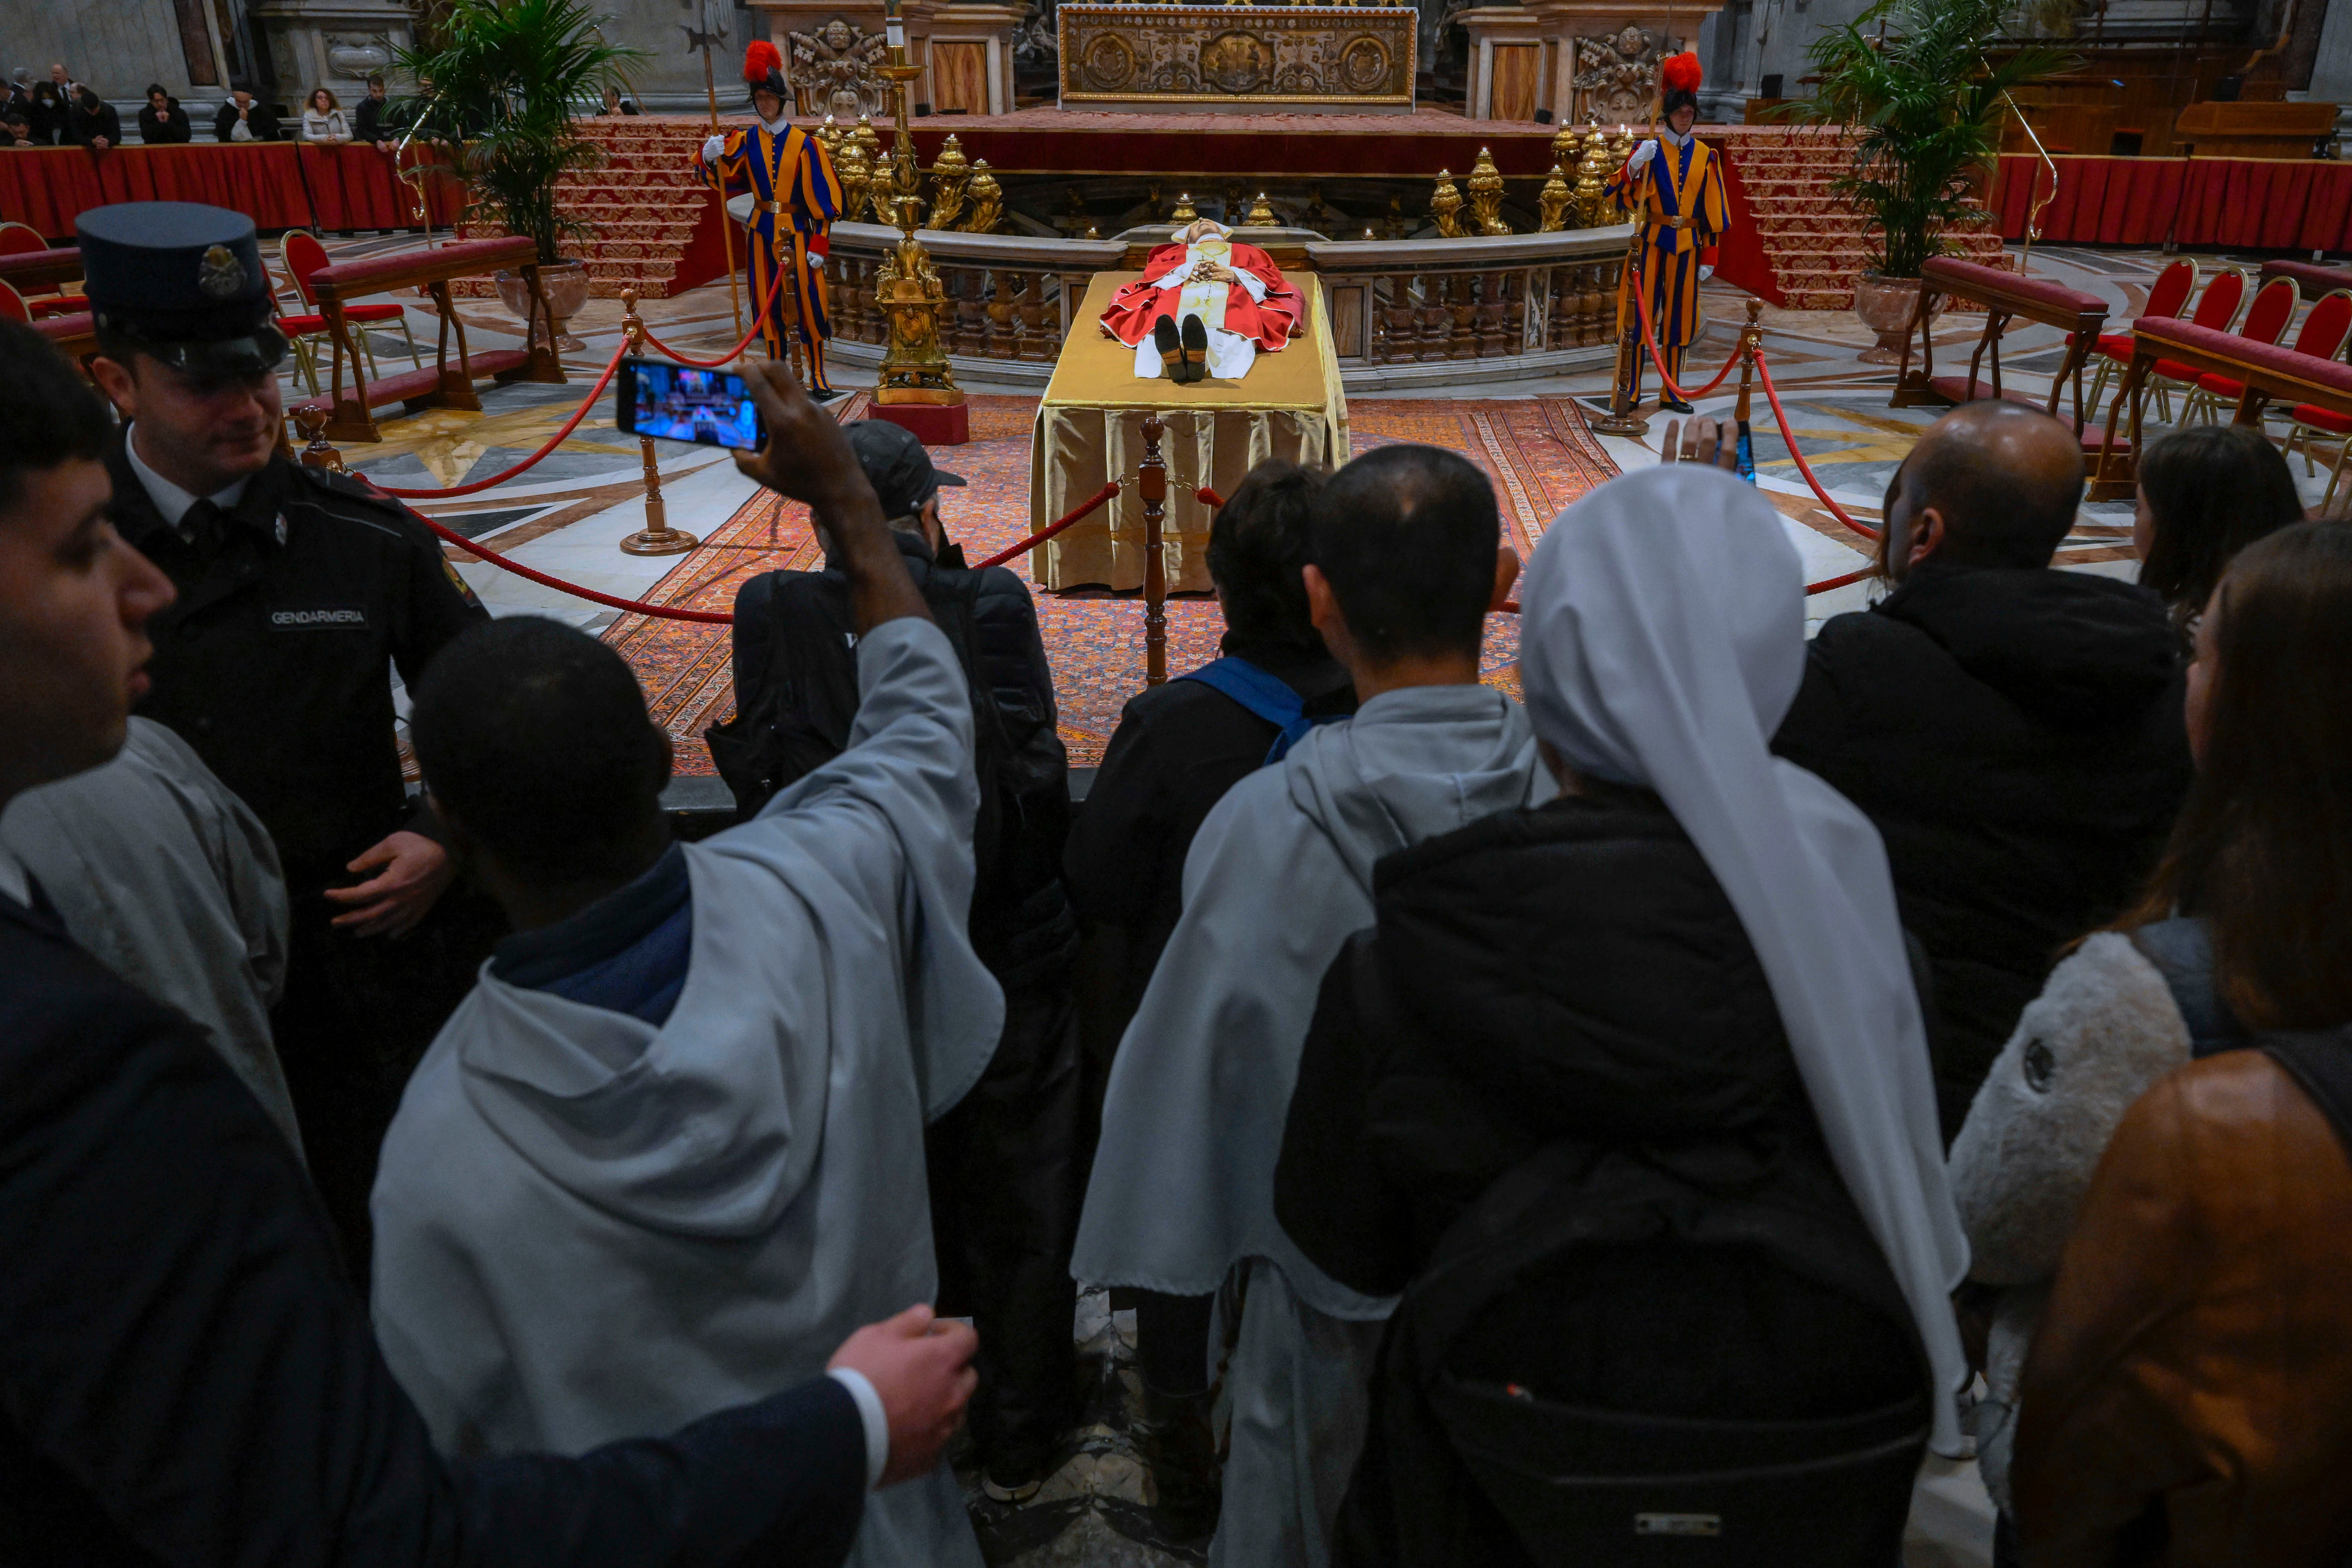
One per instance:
(796,697)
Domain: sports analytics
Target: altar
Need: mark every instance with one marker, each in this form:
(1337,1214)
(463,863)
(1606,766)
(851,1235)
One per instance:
(1291,59)
(1089,429)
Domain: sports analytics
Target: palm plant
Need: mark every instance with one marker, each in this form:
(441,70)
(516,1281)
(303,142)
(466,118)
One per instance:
(1925,103)
(499,82)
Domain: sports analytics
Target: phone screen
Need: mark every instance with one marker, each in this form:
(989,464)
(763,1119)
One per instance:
(1746,460)
(677,403)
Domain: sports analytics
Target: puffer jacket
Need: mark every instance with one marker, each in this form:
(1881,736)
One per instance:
(2102,1031)
(2016,737)
(1573,977)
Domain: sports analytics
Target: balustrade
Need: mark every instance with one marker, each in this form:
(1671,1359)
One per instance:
(1532,304)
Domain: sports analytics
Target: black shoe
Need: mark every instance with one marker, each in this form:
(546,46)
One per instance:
(1196,348)
(826,394)
(1180,1447)
(1165,338)
(1673,406)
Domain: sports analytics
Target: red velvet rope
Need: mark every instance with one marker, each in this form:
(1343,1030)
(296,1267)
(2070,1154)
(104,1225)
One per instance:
(1772,395)
(731,355)
(1641,310)
(1051,529)
(552,442)
(638,606)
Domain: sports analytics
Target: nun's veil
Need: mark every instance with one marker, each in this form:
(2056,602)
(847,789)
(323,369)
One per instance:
(1661,642)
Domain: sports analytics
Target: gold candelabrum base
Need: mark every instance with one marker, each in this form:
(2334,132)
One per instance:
(915,366)
(1625,415)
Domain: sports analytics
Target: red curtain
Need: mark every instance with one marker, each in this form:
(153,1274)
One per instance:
(278,185)
(2255,203)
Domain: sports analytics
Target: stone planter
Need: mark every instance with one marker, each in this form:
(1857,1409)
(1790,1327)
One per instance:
(1885,306)
(565,284)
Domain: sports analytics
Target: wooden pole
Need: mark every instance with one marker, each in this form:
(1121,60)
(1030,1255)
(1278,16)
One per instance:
(1751,338)
(1624,416)
(1151,483)
(725,218)
(657,537)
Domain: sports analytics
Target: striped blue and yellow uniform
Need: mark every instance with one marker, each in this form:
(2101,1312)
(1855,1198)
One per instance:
(1684,183)
(798,196)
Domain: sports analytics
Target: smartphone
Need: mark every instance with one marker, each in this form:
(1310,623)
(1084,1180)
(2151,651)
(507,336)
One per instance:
(677,403)
(1745,463)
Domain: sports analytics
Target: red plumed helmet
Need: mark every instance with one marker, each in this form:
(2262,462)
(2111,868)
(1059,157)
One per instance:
(1681,73)
(761,61)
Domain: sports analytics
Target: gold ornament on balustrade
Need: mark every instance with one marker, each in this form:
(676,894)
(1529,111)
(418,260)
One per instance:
(1445,206)
(987,199)
(856,175)
(1261,215)
(1568,146)
(829,137)
(951,177)
(1552,205)
(1593,182)
(1183,213)
(1486,194)
(868,142)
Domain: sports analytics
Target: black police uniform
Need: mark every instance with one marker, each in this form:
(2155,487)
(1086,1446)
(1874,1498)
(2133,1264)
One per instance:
(274,663)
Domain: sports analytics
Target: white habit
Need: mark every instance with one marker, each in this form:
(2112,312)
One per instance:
(589,1228)
(1278,878)
(1230,353)
(171,881)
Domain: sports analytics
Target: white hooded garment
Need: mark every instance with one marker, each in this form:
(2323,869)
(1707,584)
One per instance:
(589,1228)
(1661,642)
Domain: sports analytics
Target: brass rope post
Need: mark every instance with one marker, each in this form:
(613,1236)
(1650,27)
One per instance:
(1751,338)
(657,537)
(1625,417)
(1151,484)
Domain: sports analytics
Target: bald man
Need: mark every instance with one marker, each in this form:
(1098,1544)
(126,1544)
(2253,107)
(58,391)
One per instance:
(2013,728)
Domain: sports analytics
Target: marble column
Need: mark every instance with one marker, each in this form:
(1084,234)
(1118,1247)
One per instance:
(333,44)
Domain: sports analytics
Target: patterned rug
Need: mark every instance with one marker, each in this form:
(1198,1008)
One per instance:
(1537,451)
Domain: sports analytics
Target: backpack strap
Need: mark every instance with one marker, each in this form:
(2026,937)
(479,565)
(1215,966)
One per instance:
(1264,693)
(2321,1062)
(2181,949)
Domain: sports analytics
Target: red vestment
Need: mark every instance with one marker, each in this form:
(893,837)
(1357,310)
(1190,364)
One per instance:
(1269,324)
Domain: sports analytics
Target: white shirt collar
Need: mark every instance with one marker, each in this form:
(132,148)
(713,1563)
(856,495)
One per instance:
(170,498)
(780,124)
(1666,135)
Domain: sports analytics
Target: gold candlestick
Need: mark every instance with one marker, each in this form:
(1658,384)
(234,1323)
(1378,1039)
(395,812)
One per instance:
(915,368)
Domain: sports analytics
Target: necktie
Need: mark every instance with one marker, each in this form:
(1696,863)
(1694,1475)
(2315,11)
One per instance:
(203,526)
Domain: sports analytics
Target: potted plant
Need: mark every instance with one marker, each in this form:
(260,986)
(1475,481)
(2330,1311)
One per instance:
(1913,81)
(500,83)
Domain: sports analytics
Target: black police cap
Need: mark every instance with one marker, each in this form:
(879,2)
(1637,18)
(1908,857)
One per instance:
(181,281)
(897,466)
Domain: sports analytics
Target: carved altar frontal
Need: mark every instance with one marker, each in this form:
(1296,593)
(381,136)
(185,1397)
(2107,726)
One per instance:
(1238,60)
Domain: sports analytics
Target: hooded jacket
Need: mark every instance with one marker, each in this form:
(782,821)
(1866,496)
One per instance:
(1280,876)
(588,1225)
(2016,737)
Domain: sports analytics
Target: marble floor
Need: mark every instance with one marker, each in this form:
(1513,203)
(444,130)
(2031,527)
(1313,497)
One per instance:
(567,515)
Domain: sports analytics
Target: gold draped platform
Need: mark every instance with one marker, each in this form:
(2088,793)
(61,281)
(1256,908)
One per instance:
(1089,429)
(1224,59)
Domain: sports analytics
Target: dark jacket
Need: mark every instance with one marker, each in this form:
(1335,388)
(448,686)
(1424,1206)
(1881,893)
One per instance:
(86,125)
(2017,738)
(271,662)
(1177,749)
(48,114)
(258,120)
(187,1380)
(165,129)
(1572,982)
(372,121)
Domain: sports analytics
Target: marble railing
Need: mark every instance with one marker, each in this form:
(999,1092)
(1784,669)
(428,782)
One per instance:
(1404,312)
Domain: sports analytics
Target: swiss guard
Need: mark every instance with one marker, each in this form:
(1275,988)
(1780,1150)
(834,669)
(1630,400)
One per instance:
(1675,183)
(796,196)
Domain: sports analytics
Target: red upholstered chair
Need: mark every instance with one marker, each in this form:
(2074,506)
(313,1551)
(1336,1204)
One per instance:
(12,305)
(2324,331)
(20,239)
(302,255)
(2217,308)
(2265,322)
(23,239)
(2165,297)
(2311,421)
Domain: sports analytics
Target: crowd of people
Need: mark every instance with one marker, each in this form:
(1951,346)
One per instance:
(1670,1105)
(59,111)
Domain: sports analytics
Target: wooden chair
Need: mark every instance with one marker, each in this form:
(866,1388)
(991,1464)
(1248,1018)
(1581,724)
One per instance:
(2217,309)
(2165,297)
(301,254)
(2265,322)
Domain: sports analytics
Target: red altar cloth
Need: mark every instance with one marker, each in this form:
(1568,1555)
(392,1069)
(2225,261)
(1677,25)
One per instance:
(2255,203)
(278,185)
